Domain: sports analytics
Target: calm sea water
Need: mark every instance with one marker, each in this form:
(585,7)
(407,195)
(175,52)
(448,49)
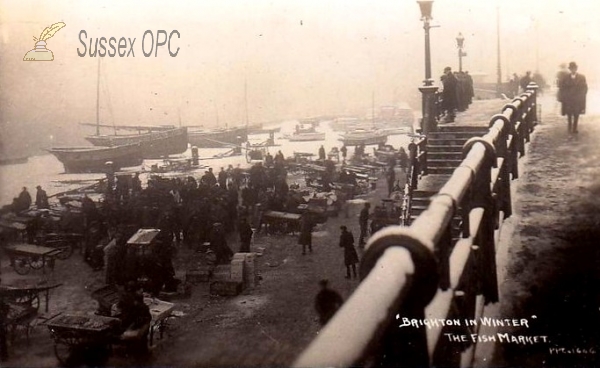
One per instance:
(48,172)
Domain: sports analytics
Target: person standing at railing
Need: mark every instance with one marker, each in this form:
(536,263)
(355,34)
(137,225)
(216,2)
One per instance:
(449,94)
(572,91)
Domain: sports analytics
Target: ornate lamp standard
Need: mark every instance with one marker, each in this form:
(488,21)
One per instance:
(460,41)
(427,90)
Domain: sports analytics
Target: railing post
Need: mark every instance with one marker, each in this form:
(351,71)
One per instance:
(406,346)
(534,88)
(414,164)
(482,197)
(502,150)
(429,121)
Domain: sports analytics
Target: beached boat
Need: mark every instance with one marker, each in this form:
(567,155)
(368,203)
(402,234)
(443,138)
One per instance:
(305,133)
(217,138)
(94,159)
(13,160)
(156,142)
(364,137)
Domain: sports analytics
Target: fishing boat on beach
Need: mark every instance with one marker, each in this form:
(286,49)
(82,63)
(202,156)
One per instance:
(94,159)
(306,133)
(217,138)
(359,137)
(155,142)
(13,160)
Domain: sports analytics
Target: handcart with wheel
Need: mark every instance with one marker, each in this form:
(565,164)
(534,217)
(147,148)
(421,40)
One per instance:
(25,257)
(80,333)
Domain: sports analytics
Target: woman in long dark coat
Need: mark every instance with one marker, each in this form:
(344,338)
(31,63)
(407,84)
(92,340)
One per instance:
(350,255)
(572,92)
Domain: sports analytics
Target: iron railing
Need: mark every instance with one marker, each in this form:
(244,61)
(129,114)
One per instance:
(419,284)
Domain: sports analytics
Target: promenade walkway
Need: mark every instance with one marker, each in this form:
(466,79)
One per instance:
(549,255)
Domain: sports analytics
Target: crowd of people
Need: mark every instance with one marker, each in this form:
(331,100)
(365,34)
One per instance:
(457,93)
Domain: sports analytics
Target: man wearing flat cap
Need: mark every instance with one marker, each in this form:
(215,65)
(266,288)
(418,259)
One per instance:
(572,91)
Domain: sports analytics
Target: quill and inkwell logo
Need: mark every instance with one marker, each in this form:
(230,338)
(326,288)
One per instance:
(40,52)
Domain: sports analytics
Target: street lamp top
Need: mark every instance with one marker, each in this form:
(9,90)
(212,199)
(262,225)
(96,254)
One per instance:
(425,6)
(460,40)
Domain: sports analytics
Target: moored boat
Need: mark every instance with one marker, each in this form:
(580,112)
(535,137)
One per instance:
(364,137)
(94,159)
(217,138)
(13,160)
(306,132)
(154,144)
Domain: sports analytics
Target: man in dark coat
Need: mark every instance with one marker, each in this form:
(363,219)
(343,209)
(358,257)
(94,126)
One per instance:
(24,199)
(391,179)
(344,151)
(363,221)
(350,255)
(218,244)
(449,102)
(572,93)
(245,235)
(223,178)
(305,238)
(322,153)
(327,302)
(41,198)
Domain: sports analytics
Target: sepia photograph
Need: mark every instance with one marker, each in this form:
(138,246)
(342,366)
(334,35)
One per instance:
(299,183)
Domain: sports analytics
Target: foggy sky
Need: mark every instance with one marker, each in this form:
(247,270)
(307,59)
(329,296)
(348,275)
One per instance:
(297,58)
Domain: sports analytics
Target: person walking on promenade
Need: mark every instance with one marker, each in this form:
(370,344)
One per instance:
(41,198)
(305,238)
(363,221)
(350,255)
(572,91)
(327,302)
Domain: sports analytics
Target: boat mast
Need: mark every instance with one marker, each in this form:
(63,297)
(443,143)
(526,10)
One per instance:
(246,100)
(98,100)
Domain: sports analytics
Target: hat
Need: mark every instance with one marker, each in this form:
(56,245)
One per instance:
(38,187)
(572,65)
(447,69)
(343,227)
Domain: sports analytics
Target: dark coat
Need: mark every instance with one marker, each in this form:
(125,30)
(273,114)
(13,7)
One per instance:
(572,93)
(327,302)
(306,226)
(449,94)
(347,242)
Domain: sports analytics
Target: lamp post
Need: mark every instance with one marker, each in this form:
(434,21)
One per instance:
(460,42)
(428,89)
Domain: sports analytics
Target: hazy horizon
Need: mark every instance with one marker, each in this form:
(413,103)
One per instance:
(296,58)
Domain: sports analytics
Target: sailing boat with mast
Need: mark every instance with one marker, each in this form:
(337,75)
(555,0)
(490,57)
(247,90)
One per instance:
(156,141)
(95,159)
(365,136)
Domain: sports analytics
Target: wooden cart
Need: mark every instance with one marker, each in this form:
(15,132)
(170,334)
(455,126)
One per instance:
(25,257)
(76,333)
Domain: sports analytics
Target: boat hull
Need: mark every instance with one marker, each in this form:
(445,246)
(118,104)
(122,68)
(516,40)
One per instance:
(94,159)
(370,139)
(218,138)
(153,144)
(305,137)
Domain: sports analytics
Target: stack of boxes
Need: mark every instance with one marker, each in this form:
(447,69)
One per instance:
(230,280)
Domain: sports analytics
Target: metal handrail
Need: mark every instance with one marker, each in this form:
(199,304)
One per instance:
(401,270)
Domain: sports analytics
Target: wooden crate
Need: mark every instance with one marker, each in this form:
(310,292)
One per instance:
(197,275)
(226,288)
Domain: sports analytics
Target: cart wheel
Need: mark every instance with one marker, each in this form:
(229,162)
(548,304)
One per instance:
(21,266)
(32,300)
(36,263)
(65,253)
(62,351)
